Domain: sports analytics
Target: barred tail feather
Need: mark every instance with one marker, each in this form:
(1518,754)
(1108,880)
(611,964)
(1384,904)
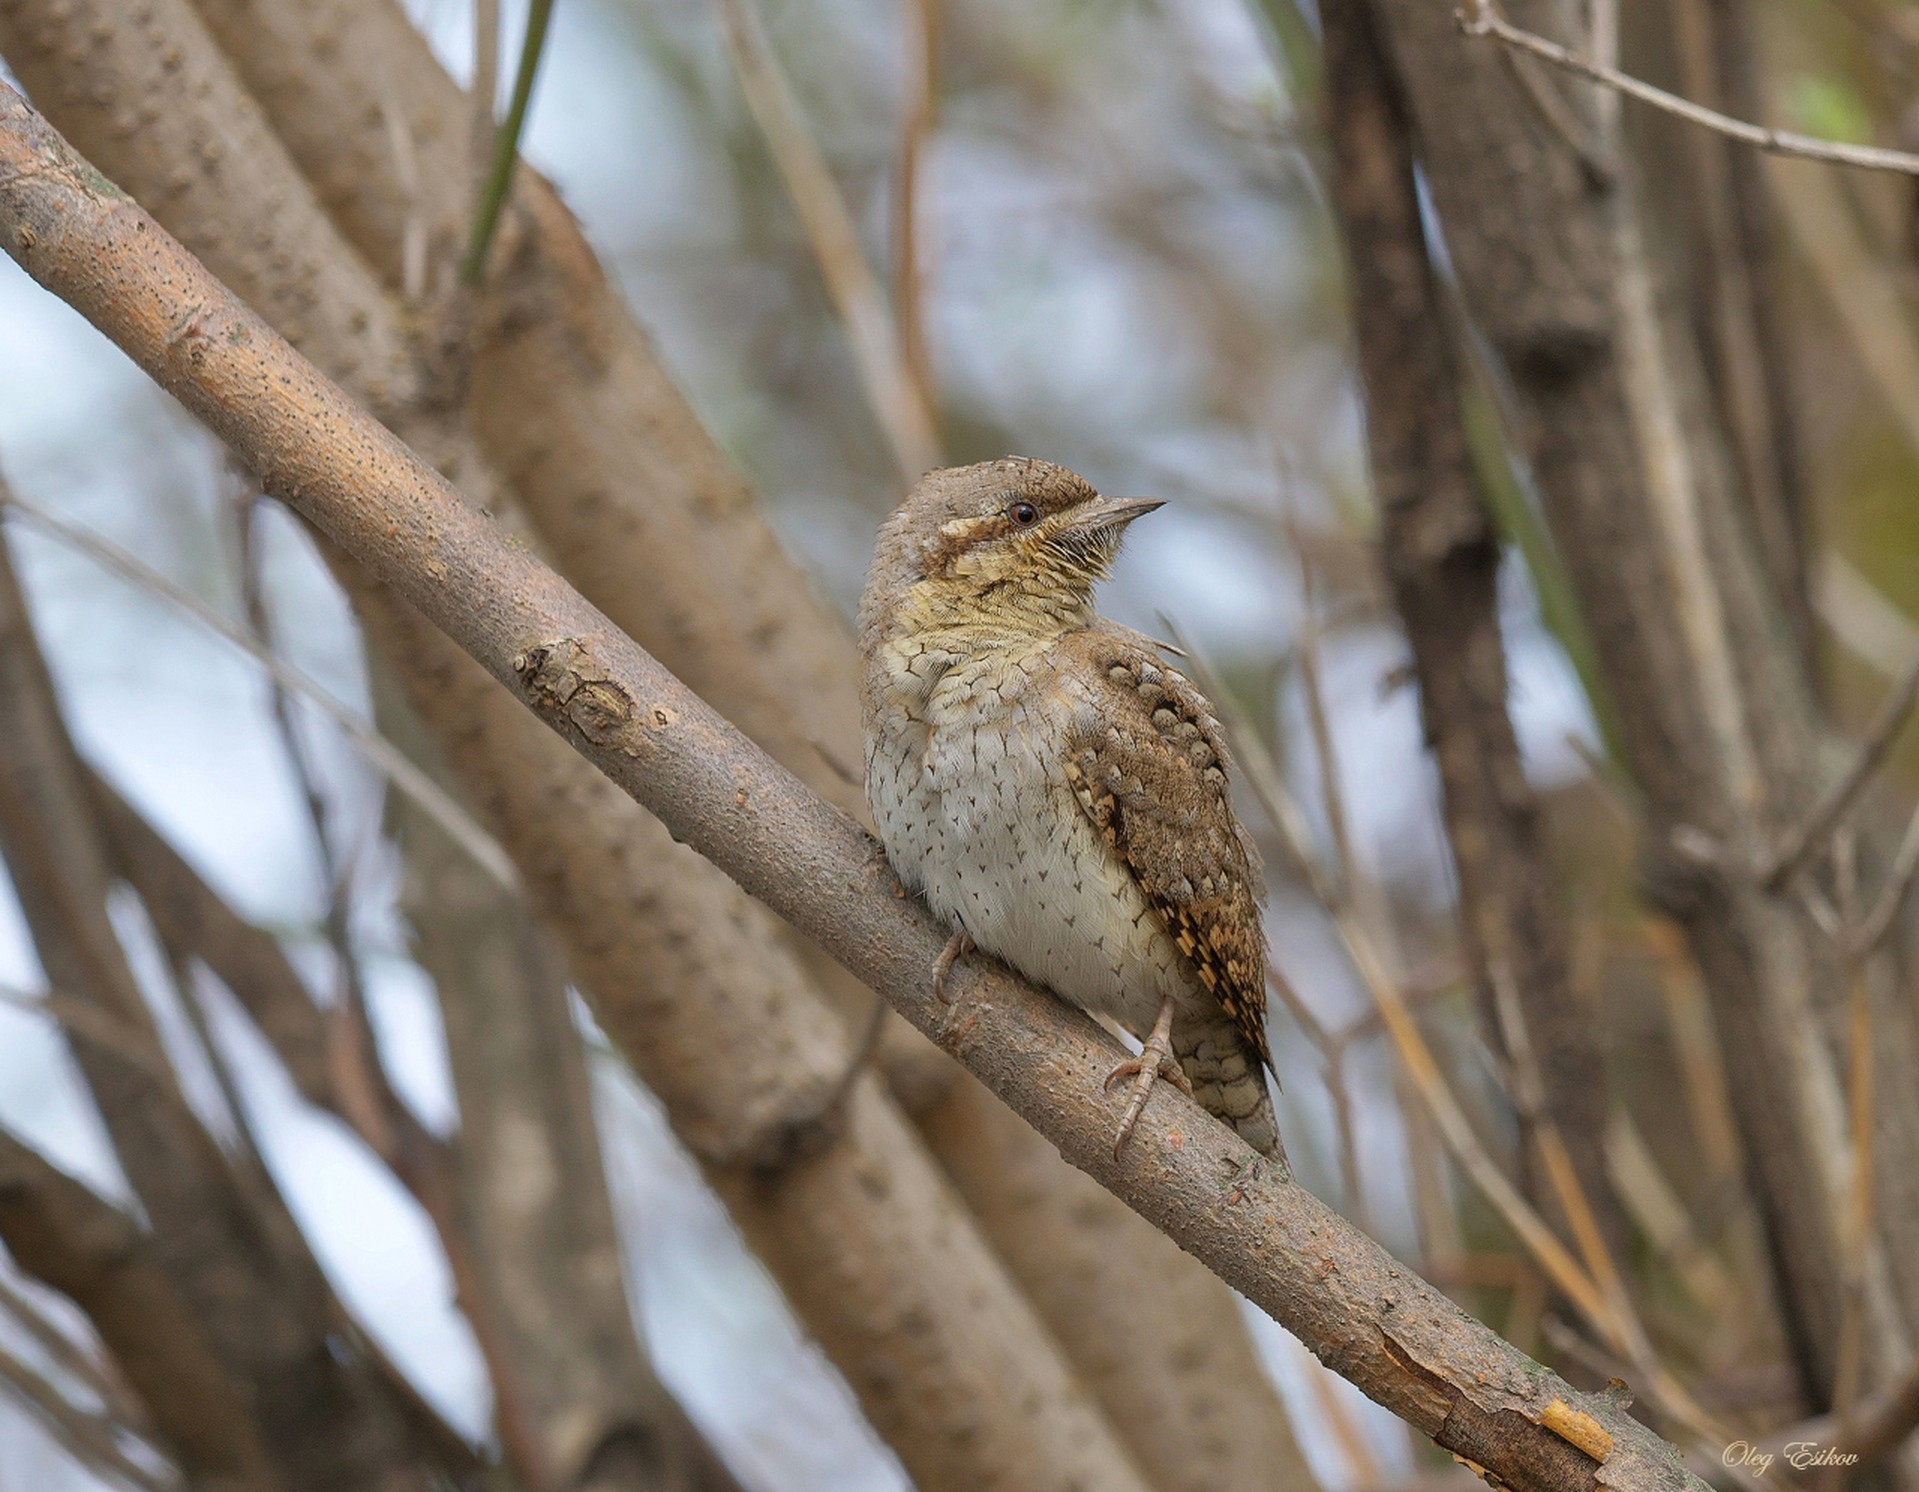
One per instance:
(1228,1080)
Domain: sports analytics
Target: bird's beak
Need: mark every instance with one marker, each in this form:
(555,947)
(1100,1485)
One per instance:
(1110,515)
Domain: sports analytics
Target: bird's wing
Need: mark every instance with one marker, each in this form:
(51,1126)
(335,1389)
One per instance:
(1148,765)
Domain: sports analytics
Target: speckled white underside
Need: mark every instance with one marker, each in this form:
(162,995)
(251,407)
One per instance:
(967,786)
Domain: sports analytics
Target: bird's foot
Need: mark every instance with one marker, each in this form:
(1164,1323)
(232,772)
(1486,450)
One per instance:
(1154,1064)
(957,947)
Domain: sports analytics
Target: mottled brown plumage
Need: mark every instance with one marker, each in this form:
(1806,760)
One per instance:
(1056,791)
(1152,776)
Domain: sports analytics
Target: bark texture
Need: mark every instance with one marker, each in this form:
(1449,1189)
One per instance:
(70,1240)
(532,1180)
(1158,1342)
(623,486)
(844,1206)
(634,501)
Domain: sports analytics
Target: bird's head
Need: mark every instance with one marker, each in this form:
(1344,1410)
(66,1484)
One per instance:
(1011,548)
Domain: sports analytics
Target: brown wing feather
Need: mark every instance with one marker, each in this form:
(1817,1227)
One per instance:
(1148,764)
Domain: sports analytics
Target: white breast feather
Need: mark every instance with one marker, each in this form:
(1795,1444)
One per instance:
(975,812)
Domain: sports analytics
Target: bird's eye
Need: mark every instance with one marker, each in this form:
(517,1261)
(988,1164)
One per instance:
(1022,515)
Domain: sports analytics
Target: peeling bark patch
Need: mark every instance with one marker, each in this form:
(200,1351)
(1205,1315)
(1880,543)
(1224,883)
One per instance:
(1436,1395)
(1578,1428)
(564,679)
(1486,1424)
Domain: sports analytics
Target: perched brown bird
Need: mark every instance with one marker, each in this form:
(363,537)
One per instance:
(1055,791)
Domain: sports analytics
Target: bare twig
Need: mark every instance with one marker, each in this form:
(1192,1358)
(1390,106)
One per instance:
(895,398)
(1599,169)
(1332,1052)
(92,1439)
(95,1023)
(1811,833)
(362,1080)
(404,776)
(1485,20)
(1856,1231)
(78,1363)
(71,1240)
(1414,1052)
(1885,911)
(1390,1333)
(909,285)
(336,888)
(1312,686)
(483,91)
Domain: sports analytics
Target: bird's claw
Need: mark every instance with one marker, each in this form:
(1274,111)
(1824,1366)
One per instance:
(1149,1067)
(957,947)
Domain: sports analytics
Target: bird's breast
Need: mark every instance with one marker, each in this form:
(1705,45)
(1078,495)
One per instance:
(968,788)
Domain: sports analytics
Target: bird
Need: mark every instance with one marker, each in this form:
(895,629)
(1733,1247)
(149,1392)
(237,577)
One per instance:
(1053,789)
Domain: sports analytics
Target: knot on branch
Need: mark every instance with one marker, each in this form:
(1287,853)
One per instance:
(564,681)
(1680,871)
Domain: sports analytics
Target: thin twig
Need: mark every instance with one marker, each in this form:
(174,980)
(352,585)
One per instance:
(1879,1424)
(1793,851)
(1556,1161)
(1599,1295)
(1905,868)
(483,92)
(92,1439)
(1332,1052)
(365,1084)
(1312,686)
(95,1373)
(1856,1230)
(855,290)
(1600,172)
(401,772)
(1484,20)
(90,1021)
(506,146)
(335,877)
(909,286)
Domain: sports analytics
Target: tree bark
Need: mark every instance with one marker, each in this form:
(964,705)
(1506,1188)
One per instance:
(669,950)
(719,1020)
(532,1177)
(1195,1404)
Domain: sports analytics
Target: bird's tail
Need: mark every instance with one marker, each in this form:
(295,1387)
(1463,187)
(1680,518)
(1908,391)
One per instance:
(1228,1079)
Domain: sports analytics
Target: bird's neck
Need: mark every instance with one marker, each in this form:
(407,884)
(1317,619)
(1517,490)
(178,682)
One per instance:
(1004,616)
